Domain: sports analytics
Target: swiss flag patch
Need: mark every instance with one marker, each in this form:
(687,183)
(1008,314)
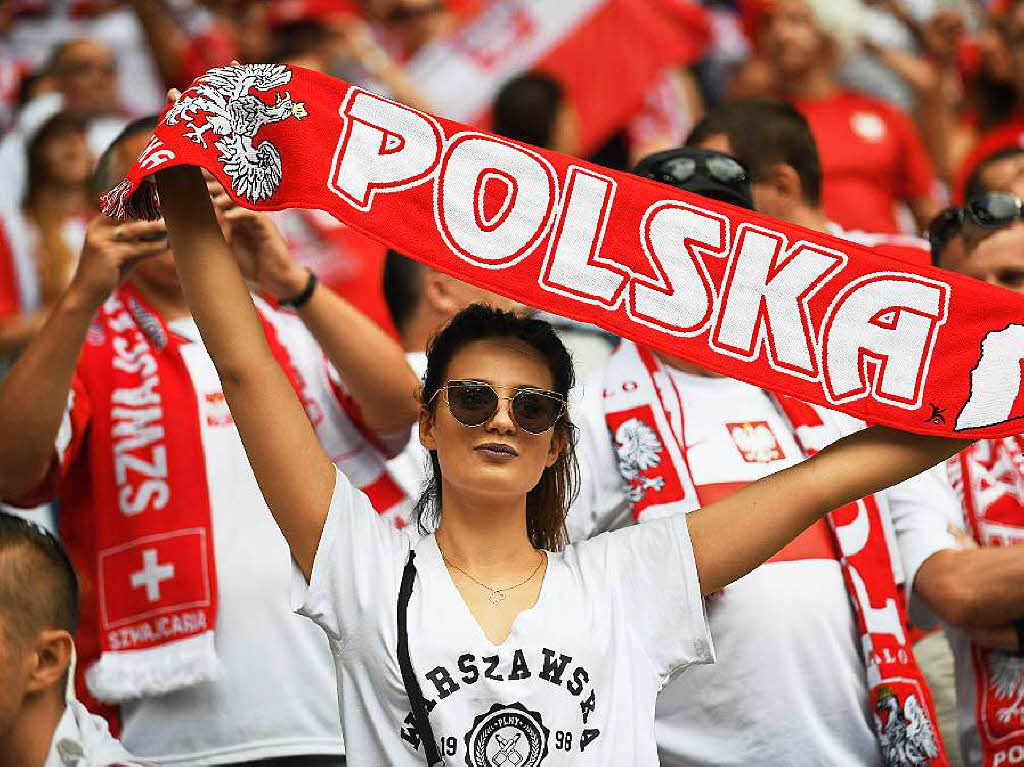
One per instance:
(154,575)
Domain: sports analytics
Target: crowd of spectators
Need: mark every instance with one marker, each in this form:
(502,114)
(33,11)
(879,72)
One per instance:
(911,105)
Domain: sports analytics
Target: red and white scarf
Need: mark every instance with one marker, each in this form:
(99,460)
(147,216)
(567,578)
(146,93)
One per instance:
(154,567)
(768,302)
(651,452)
(989,478)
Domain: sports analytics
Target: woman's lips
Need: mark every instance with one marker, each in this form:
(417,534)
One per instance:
(497,450)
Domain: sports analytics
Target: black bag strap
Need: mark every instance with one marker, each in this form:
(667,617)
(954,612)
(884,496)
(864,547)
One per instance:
(412,685)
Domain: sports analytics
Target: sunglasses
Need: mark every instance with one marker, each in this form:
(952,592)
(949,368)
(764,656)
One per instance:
(473,403)
(679,170)
(992,210)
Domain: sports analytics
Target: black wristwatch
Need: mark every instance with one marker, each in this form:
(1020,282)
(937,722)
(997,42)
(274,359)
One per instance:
(297,302)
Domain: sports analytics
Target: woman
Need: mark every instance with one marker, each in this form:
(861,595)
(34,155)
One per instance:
(47,233)
(490,642)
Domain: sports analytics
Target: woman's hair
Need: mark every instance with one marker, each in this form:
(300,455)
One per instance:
(39,174)
(548,502)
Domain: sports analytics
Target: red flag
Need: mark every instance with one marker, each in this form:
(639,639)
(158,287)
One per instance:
(606,53)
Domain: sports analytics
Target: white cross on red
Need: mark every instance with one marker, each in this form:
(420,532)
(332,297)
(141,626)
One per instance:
(151,574)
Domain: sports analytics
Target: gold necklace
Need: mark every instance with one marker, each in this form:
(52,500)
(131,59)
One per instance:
(496,595)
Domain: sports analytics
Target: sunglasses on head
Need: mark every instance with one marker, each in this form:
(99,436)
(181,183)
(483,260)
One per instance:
(992,210)
(678,170)
(473,403)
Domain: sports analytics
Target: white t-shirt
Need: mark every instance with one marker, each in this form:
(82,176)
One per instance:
(83,740)
(276,696)
(574,683)
(789,686)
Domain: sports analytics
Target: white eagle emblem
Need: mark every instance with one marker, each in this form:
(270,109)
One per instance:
(235,116)
(756,442)
(638,449)
(906,736)
(1006,680)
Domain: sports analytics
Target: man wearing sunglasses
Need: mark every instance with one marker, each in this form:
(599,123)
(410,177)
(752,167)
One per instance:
(789,687)
(984,239)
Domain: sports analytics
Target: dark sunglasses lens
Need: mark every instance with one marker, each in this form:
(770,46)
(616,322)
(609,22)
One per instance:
(676,170)
(471,403)
(994,209)
(535,412)
(726,170)
(943,228)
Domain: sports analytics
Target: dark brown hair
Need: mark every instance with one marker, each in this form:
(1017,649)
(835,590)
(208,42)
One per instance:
(39,174)
(548,502)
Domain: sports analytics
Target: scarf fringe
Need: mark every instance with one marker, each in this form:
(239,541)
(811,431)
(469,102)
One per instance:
(120,676)
(121,203)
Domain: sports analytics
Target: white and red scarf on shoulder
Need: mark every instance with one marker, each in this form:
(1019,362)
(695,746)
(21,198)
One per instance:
(989,478)
(651,452)
(137,517)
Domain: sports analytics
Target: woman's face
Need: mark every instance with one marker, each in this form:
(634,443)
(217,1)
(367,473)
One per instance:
(68,160)
(497,458)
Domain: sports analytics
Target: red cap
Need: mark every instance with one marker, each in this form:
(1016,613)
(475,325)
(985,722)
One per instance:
(1009,136)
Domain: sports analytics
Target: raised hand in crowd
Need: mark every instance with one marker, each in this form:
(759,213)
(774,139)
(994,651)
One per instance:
(43,373)
(351,340)
(933,76)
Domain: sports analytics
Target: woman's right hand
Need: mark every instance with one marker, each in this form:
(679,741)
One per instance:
(110,251)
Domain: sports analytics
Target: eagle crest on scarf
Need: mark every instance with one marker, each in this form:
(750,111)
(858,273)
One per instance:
(905,735)
(234,115)
(1006,681)
(638,449)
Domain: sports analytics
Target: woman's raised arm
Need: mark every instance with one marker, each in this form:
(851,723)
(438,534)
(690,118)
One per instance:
(735,535)
(295,475)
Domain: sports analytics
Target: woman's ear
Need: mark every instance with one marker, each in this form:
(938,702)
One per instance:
(556,448)
(427,429)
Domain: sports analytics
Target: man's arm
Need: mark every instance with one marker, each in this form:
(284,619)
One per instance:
(34,394)
(978,588)
(371,363)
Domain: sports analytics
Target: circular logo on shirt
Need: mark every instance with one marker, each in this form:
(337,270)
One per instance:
(868,125)
(507,736)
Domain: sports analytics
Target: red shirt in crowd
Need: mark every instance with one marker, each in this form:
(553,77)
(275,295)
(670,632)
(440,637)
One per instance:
(871,158)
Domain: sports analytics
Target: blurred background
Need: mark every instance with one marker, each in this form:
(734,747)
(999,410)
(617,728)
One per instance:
(901,95)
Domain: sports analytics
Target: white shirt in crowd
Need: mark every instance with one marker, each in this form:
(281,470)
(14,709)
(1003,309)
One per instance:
(789,686)
(276,696)
(83,740)
(1002,483)
(575,681)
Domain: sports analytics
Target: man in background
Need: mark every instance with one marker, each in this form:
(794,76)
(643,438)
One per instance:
(38,620)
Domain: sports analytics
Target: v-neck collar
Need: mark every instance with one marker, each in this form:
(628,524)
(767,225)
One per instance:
(439,581)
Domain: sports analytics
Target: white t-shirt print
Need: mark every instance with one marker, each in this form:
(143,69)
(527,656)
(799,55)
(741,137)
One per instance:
(578,674)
